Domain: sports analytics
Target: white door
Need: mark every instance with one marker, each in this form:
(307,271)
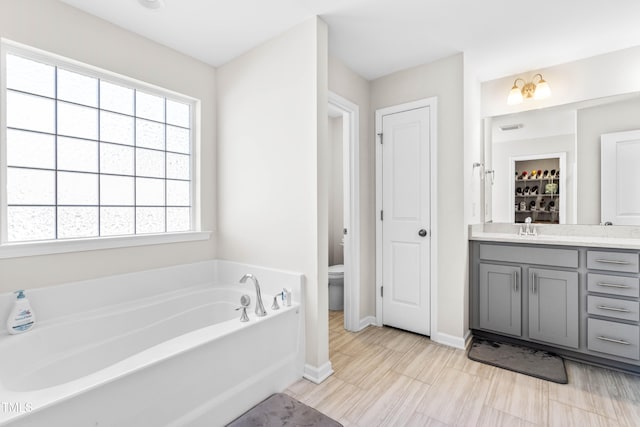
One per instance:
(620,188)
(406,220)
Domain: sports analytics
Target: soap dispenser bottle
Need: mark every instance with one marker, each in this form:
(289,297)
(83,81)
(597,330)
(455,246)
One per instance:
(21,318)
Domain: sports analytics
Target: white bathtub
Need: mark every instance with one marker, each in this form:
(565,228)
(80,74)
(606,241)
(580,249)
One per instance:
(176,354)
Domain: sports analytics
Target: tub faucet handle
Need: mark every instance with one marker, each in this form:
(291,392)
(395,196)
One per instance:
(275,305)
(243,317)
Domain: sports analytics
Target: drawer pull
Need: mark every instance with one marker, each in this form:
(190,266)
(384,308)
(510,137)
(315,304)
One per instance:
(613,340)
(613,285)
(613,261)
(621,310)
(515,281)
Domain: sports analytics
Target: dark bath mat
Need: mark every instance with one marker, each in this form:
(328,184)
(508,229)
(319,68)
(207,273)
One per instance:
(280,410)
(517,358)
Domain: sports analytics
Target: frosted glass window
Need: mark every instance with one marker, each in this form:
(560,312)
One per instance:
(30,187)
(30,112)
(178,219)
(26,223)
(149,192)
(116,159)
(178,139)
(117,221)
(149,163)
(30,149)
(77,222)
(116,128)
(178,193)
(77,188)
(79,155)
(150,220)
(149,106)
(177,166)
(149,134)
(178,114)
(77,88)
(116,98)
(116,190)
(78,121)
(89,153)
(30,76)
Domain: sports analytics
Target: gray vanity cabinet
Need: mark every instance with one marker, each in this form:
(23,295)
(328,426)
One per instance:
(553,307)
(500,299)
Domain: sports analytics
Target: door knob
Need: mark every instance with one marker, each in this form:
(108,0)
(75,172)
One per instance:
(422,232)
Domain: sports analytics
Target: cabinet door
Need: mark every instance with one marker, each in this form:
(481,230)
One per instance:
(500,299)
(553,306)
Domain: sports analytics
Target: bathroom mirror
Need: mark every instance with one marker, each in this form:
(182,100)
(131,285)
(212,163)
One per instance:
(563,137)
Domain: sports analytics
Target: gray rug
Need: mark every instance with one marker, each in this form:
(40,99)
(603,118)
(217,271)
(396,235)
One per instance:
(280,410)
(525,360)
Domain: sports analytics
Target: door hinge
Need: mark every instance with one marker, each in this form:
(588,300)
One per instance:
(380,135)
(381,215)
(381,291)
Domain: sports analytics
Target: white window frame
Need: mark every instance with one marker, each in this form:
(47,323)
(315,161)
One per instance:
(33,248)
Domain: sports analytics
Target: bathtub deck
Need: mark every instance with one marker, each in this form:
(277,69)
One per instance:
(384,376)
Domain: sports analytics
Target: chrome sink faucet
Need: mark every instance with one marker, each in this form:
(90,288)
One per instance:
(529,230)
(260,311)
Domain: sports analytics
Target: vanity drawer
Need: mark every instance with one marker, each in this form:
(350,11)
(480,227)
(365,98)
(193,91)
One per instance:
(613,307)
(613,285)
(613,261)
(613,338)
(530,255)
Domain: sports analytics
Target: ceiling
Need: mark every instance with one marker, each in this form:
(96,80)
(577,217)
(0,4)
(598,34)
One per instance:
(378,37)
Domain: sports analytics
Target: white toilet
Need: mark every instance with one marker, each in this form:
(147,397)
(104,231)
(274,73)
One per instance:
(336,287)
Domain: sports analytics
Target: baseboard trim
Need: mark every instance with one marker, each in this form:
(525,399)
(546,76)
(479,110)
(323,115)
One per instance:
(451,340)
(367,321)
(317,374)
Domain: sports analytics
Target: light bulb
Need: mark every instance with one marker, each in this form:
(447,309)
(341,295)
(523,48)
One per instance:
(542,90)
(515,96)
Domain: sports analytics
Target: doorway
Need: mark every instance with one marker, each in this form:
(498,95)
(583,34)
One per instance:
(349,112)
(406,183)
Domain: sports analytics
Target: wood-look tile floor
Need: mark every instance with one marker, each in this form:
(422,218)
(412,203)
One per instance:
(388,377)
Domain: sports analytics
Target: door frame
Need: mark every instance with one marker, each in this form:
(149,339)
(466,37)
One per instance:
(351,206)
(432,103)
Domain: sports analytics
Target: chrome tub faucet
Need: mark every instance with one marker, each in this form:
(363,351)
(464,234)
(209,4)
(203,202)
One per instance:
(260,311)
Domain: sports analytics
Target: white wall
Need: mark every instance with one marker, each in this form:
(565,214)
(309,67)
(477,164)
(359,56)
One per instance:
(593,122)
(273,165)
(356,89)
(443,79)
(336,193)
(613,73)
(39,23)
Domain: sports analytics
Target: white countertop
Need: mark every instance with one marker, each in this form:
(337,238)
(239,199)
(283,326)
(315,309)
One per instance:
(595,236)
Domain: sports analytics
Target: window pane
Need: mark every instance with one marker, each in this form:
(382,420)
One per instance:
(77,154)
(30,149)
(26,223)
(149,106)
(78,121)
(178,114)
(178,139)
(77,188)
(116,190)
(30,112)
(117,98)
(77,222)
(149,220)
(30,76)
(178,193)
(149,192)
(149,163)
(178,219)
(30,187)
(116,159)
(116,128)
(116,221)
(177,166)
(149,134)
(77,88)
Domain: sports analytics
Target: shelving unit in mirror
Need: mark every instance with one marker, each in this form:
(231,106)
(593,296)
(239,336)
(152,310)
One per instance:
(537,191)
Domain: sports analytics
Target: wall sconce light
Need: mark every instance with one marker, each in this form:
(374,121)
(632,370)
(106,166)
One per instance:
(529,90)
